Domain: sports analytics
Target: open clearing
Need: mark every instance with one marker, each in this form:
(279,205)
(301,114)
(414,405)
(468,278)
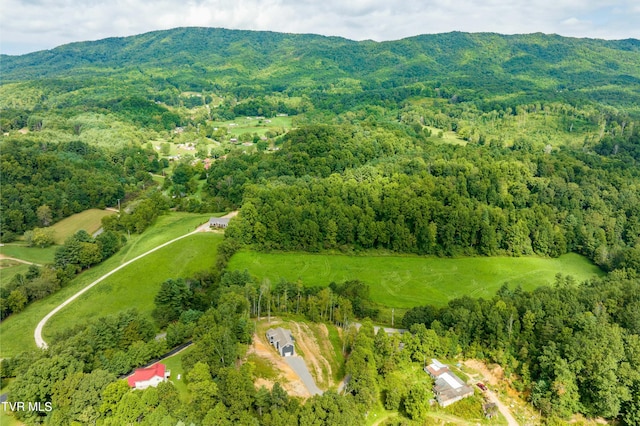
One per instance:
(9,268)
(252,125)
(136,285)
(17,330)
(41,256)
(89,220)
(404,282)
(312,343)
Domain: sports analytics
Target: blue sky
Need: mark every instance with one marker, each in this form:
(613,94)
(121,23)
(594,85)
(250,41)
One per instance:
(30,25)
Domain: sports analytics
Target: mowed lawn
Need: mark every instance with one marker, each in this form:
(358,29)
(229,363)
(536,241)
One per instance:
(89,220)
(16,331)
(404,282)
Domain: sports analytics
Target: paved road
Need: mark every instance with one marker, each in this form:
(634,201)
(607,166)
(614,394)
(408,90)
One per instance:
(38,332)
(298,365)
(387,330)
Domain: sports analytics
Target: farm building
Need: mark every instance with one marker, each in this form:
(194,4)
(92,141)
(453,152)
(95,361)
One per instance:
(143,378)
(448,387)
(218,222)
(282,340)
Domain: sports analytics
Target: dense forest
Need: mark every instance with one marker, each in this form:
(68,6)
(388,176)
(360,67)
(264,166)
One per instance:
(440,145)
(368,186)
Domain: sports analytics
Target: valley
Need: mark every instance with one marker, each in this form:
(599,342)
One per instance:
(477,192)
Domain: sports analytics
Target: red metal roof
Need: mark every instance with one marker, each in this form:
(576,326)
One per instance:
(143,374)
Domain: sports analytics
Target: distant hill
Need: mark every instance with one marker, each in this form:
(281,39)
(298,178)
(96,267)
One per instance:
(482,65)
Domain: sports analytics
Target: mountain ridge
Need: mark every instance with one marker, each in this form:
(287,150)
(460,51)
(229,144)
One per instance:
(472,64)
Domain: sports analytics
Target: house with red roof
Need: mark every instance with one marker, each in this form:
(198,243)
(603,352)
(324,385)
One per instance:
(142,378)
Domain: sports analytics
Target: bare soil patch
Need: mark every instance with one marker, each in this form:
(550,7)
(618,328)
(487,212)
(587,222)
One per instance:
(289,380)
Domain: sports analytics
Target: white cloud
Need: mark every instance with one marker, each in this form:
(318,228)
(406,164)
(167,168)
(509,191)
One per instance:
(27,25)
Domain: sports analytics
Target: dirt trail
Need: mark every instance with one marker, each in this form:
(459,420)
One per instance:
(37,334)
(492,379)
(290,381)
(2,256)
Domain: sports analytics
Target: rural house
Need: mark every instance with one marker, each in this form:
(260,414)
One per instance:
(448,387)
(218,222)
(143,378)
(282,340)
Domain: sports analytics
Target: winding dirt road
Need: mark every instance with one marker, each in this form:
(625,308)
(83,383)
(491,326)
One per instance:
(26,262)
(38,332)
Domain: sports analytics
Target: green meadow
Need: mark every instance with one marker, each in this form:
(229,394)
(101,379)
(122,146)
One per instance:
(89,220)
(252,125)
(30,254)
(404,281)
(17,330)
(136,285)
(9,269)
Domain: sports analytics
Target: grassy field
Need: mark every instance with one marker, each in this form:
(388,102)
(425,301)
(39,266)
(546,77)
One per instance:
(89,220)
(174,364)
(136,285)
(447,136)
(9,269)
(252,125)
(403,282)
(30,254)
(16,332)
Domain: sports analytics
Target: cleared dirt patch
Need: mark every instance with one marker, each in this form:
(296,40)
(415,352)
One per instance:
(288,379)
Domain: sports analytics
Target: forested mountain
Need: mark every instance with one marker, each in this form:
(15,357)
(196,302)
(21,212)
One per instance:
(442,145)
(468,66)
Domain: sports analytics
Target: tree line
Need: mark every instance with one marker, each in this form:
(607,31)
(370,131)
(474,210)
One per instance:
(572,348)
(343,188)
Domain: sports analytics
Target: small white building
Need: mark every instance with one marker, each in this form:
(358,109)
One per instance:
(218,222)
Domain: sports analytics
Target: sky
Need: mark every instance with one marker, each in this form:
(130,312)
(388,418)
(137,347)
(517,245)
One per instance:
(31,25)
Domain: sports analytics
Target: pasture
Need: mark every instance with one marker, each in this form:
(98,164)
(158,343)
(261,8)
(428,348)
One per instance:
(9,269)
(30,254)
(16,331)
(405,282)
(89,220)
(136,285)
(241,125)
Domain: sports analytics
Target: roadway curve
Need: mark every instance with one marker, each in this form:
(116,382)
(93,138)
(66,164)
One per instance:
(38,333)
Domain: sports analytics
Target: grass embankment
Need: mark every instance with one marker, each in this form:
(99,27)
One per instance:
(405,282)
(89,220)
(174,365)
(9,269)
(16,332)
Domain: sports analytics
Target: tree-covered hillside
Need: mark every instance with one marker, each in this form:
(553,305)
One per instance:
(467,66)
(445,145)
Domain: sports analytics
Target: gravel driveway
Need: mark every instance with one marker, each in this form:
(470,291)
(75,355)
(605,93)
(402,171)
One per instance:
(298,365)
